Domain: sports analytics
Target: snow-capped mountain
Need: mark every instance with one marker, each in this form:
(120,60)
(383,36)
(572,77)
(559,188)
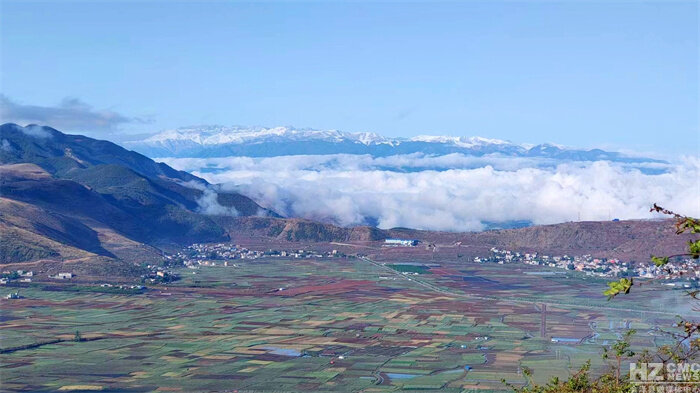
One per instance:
(218,135)
(220,141)
(461,141)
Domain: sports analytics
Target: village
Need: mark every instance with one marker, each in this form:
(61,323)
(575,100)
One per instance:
(24,276)
(222,254)
(155,274)
(685,270)
(683,273)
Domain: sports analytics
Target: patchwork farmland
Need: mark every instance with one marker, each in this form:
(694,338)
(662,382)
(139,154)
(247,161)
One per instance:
(321,325)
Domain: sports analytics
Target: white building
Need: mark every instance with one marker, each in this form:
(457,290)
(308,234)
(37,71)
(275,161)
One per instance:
(401,242)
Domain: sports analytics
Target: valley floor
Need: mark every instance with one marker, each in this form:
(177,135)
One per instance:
(333,324)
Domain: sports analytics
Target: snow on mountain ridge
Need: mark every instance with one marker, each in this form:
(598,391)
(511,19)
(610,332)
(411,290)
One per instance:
(220,141)
(219,135)
(461,141)
(216,135)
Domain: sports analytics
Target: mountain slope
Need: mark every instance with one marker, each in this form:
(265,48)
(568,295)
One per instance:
(218,141)
(633,240)
(80,192)
(88,160)
(30,233)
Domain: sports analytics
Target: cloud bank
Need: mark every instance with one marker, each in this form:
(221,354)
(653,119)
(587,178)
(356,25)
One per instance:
(69,114)
(452,192)
(208,202)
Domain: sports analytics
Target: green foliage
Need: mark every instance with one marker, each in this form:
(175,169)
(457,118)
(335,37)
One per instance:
(659,261)
(621,348)
(617,287)
(694,248)
(692,225)
(688,224)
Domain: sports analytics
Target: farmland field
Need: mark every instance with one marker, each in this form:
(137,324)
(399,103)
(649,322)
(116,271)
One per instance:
(331,325)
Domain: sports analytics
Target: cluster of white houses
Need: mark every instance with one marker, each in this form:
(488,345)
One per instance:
(222,254)
(688,269)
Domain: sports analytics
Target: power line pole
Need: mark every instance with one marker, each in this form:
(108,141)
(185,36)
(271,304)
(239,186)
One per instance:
(543,320)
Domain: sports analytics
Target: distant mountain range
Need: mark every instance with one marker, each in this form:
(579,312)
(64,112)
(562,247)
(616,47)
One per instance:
(219,141)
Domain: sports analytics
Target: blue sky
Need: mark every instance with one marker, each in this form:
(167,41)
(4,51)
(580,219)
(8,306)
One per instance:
(618,75)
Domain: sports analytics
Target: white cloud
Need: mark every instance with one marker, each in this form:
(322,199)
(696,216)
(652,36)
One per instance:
(6,146)
(208,202)
(419,192)
(35,131)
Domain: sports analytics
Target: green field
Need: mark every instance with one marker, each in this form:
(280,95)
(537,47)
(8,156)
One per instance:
(316,325)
